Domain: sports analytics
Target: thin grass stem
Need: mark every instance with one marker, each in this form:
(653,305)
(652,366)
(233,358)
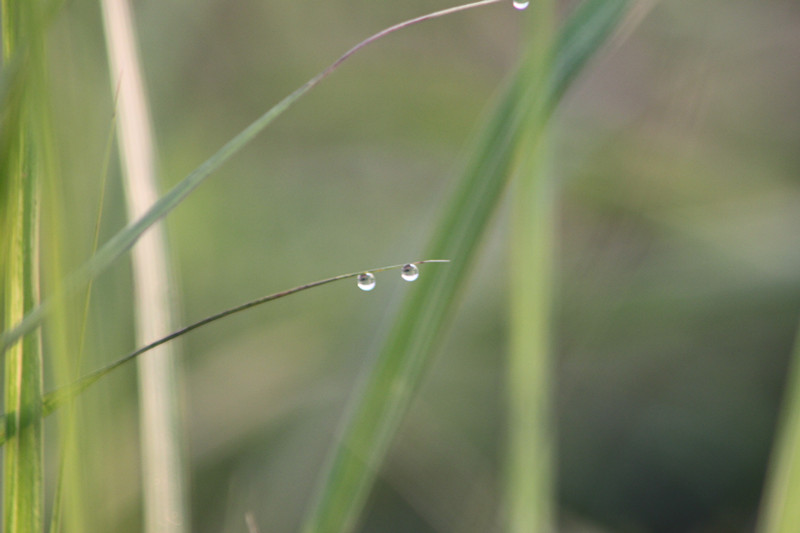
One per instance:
(55,399)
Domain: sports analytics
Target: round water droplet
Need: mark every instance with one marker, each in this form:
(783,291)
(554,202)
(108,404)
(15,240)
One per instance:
(409,272)
(519,4)
(366,281)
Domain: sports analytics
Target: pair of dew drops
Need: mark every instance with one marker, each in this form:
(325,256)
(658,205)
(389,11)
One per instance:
(410,272)
(366,280)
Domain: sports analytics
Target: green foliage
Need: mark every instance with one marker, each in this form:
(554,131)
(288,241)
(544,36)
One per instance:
(387,392)
(675,266)
(23,166)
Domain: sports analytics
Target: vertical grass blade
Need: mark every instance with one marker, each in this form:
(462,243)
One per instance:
(780,512)
(23,468)
(163,485)
(386,392)
(22,164)
(529,461)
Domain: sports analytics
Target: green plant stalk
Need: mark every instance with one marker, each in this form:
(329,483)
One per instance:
(529,461)
(67,441)
(127,237)
(779,510)
(23,465)
(386,391)
(58,398)
(23,461)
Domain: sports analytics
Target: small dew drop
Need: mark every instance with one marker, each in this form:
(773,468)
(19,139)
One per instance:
(366,281)
(409,272)
(521,4)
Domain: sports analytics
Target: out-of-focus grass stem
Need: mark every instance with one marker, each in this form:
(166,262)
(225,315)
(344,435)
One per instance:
(163,477)
(529,453)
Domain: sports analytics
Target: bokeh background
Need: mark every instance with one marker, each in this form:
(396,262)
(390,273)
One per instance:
(678,156)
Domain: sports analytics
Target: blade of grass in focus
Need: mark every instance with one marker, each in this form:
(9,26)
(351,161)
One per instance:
(779,510)
(529,461)
(386,392)
(24,141)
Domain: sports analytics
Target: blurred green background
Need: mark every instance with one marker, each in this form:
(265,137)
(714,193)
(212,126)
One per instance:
(678,154)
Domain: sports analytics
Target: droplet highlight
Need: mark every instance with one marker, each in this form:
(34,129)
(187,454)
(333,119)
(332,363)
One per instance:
(521,4)
(366,281)
(409,272)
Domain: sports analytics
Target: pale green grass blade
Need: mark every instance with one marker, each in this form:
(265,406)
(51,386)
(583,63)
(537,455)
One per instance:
(24,140)
(780,512)
(529,459)
(164,494)
(386,393)
(23,460)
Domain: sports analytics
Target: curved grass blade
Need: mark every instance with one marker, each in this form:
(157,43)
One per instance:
(385,394)
(59,397)
(126,238)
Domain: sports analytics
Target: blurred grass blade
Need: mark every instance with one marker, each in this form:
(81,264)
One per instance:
(164,496)
(529,460)
(22,166)
(384,396)
(66,477)
(780,512)
(126,238)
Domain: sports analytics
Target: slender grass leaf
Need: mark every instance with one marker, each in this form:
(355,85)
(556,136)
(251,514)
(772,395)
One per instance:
(529,461)
(164,493)
(385,394)
(58,398)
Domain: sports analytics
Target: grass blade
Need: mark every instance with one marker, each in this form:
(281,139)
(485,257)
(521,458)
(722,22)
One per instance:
(55,399)
(23,462)
(385,395)
(23,158)
(529,461)
(164,494)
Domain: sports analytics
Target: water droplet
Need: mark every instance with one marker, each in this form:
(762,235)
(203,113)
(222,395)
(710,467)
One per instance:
(366,281)
(521,4)
(409,272)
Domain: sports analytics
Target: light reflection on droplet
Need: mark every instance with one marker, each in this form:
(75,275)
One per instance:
(518,4)
(409,272)
(366,281)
